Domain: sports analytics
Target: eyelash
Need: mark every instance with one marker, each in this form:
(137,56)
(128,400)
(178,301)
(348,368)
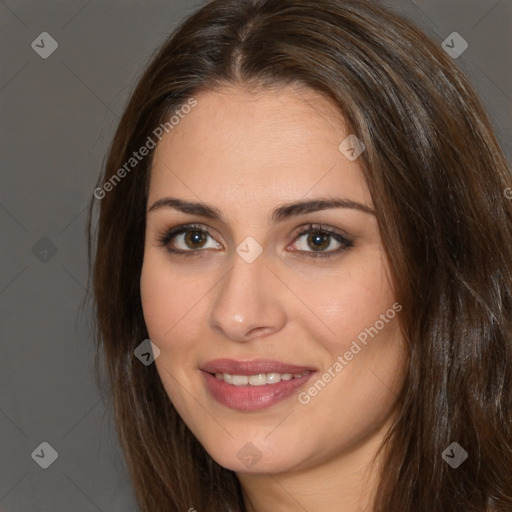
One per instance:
(168,235)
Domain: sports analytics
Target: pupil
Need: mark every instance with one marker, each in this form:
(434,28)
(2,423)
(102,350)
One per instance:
(195,237)
(319,240)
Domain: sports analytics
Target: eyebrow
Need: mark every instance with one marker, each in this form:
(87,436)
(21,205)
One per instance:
(278,214)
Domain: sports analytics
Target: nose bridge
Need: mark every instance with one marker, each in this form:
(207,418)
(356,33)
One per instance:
(246,304)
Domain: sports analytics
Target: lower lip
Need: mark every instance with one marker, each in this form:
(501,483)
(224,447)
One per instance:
(252,398)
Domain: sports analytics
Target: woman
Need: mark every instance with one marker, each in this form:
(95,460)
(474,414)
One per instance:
(305,210)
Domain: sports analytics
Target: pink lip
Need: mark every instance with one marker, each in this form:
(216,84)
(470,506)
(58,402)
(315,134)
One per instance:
(251,398)
(252,367)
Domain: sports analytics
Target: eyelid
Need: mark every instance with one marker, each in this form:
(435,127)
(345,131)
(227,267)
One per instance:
(322,228)
(165,237)
(339,235)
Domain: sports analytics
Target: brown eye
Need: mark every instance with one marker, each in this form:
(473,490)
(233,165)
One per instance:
(195,239)
(188,240)
(321,242)
(318,241)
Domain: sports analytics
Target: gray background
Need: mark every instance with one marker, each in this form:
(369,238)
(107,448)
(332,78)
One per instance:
(58,116)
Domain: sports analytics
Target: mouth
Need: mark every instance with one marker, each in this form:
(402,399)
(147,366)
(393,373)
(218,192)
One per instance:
(258,379)
(253,385)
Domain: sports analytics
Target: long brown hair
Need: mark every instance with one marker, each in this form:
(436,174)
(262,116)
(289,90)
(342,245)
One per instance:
(438,180)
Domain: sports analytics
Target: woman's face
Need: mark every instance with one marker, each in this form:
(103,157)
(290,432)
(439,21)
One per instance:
(275,358)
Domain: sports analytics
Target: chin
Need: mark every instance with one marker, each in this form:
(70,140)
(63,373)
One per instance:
(243,456)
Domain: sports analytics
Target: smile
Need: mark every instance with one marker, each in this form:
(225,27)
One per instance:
(259,379)
(253,385)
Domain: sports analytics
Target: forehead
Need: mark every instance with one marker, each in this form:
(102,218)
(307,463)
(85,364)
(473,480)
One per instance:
(266,144)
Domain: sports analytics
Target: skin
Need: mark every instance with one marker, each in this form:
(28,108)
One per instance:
(245,153)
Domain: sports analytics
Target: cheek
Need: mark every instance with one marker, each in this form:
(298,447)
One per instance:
(167,299)
(168,309)
(157,303)
(350,302)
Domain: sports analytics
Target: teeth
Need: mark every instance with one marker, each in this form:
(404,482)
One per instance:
(239,380)
(273,378)
(259,379)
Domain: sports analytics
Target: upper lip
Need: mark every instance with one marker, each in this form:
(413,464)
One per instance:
(253,367)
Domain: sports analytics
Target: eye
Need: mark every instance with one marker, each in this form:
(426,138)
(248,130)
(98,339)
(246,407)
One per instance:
(190,239)
(187,240)
(319,239)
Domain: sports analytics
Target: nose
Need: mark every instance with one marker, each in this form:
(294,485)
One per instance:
(247,304)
